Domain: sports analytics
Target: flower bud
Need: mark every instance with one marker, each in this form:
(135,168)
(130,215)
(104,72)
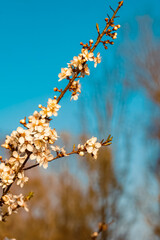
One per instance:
(81,154)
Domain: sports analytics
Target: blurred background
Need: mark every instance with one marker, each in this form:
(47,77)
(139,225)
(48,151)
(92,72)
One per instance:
(121,97)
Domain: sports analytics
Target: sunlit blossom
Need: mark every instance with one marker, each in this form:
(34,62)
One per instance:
(97,60)
(93,146)
(65,72)
(21,179)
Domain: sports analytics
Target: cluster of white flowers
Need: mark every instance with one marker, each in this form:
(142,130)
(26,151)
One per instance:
(34,143)
(6,175)
(9,168)
(79,66)
(35,140)
(51,108)
(91,146)
(13,202)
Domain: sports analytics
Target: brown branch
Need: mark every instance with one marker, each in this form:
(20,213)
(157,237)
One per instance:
(107,26)
(61,155)
(58,156)
(91,50)
(67,87)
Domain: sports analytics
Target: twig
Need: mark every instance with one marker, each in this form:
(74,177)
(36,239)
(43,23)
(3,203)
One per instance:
(101,228)
(61,155)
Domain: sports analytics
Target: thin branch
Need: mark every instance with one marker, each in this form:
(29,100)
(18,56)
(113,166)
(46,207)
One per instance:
(101,228)
(111,9)
(67,87)
(92,50)
(57,157)
(107,26)
(61,155)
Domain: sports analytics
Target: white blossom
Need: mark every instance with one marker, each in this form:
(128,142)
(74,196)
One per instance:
(88,56)
(77,62)
(97,60)
(76,88)
(16,160)
(6,175)
(51,108)
(92,146)
(65,72)
(21,179)
(13,201)
(45,158)
(81,150)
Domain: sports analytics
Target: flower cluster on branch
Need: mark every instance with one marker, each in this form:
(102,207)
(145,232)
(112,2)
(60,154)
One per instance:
(35,141)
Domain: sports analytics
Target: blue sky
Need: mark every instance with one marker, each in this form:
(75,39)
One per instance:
(40,37)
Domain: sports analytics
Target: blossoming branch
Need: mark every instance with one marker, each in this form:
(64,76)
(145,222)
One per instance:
(35,141)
